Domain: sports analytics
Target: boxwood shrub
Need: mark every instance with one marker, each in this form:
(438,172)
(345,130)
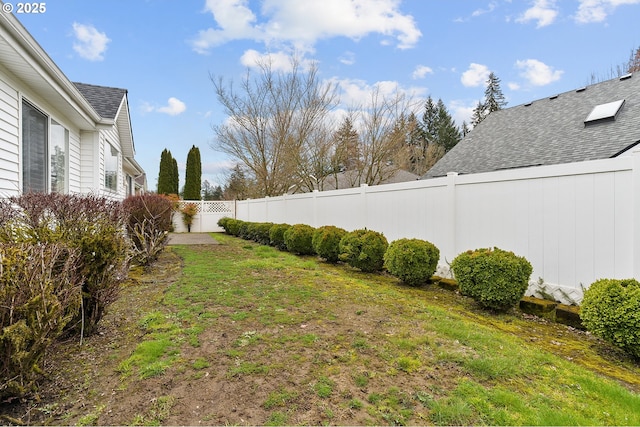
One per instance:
(243,229)
(610,309)
(298,239)
(364,249)
(260,232)
(326,242)
(412,260)
(276,236)
(495,278)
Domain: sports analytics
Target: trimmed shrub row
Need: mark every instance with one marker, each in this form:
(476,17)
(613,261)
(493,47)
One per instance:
(362,249)
(496,279)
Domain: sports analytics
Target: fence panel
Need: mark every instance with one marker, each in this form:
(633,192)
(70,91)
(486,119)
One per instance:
(575,223)
(206,220)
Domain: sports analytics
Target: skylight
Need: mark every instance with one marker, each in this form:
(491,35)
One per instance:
(604,112)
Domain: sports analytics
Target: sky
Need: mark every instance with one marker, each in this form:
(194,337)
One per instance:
(165,52)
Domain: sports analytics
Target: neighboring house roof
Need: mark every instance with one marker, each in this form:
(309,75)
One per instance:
(105,100)
(553,130)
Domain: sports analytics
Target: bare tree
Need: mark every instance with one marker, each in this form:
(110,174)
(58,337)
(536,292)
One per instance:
(276,124)
(382,142)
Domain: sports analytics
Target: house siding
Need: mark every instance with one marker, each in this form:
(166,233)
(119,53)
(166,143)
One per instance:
(75,160)
(9,141)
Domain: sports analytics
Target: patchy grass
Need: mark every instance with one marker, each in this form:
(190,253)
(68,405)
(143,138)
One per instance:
(250,335)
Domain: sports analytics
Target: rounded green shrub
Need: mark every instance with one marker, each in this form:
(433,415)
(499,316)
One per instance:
(412,260)
(224,223)
(261,232)
(231,226)
(364,249)
(326,242)
(276,236)
(243,229)
(495,278)
(610,309)
(298,239)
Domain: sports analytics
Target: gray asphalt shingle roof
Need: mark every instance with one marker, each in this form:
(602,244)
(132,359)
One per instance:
(105,100)
(549,131)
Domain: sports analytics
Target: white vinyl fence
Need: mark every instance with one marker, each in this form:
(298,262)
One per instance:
(206,220)
(575,223)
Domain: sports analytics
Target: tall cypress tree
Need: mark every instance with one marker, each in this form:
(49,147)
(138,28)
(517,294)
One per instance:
(193,175)
(165,179)
(175,178)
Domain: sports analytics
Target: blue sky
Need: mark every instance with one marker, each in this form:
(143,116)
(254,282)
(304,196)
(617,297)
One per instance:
(164,52)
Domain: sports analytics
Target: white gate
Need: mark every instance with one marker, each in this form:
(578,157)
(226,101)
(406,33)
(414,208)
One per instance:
(208,214)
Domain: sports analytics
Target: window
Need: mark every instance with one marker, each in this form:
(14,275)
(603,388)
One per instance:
(45,147)
(58,148)
(34,149)
(111,168)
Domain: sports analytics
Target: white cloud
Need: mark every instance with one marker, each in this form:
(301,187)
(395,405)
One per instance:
(173,108)
(90,43)
(462,111)
(300,24)
(476,75)
(489,9)
(591,11)
(421,72)
(544,12)
(354,92)
(513,86)
(348,58)
(279,61)
(538,73)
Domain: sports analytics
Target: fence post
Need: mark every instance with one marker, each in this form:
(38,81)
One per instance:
(635,194)
(363,199)
(450,221)
(315,208)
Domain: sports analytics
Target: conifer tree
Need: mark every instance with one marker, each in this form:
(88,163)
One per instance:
(193,175)
(165,175)
(494,100)
(493,97)
(175,178)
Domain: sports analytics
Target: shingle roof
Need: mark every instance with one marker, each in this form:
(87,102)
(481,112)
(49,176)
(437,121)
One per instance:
(549,131)
(105,100)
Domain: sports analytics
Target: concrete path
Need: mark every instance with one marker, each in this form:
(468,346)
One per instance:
(191,239)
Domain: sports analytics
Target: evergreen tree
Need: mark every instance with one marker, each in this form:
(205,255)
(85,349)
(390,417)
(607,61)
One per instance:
(347,153)
(493,97)
(448,134)
(165,176)
(465,129)
(236,187)
(479,113)
(207,190)
(193,175)
(217,193)
(494,100)
(175,177)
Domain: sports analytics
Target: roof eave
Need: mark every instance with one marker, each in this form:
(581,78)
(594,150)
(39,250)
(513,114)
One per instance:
(31,64)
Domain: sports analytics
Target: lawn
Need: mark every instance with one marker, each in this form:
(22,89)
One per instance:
(243,334)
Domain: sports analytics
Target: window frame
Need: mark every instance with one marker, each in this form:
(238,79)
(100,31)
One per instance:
(110,151)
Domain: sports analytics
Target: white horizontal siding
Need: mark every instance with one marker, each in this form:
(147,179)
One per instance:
(9,141)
